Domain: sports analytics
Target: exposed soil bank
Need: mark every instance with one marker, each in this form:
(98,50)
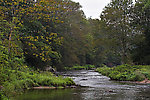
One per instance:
(146,81)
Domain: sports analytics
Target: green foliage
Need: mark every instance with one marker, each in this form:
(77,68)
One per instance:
(3,56)
(78,67)
(77,47)
(56,33)
(126,72)
(27,28)
(116,25)
(140,15)
(104,70)
(2,96)
(16,81)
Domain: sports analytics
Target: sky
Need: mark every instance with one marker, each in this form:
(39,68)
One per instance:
(92,8)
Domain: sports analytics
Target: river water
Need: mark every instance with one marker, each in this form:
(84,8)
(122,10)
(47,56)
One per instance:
(94,86)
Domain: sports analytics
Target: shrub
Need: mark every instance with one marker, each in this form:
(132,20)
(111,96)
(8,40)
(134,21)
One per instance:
(126,72)
(15,81)
(139,76)
(89,66)
(104,70)
(2,96)
(78,67)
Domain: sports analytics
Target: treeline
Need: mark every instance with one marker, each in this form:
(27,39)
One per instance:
(56,33)
(126,27)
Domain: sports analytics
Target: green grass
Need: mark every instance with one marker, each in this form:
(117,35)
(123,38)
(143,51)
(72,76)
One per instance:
(16,81)
(78,67)
(126,72)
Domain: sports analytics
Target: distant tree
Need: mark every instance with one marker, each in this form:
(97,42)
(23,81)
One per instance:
(96,53)
(116,21)
(141,22)
(74,31)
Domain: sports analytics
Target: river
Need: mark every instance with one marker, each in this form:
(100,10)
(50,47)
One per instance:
(94,86)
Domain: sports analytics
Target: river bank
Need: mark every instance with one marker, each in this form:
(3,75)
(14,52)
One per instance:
(14,82)
(136,73)
(94,86)
(79,67)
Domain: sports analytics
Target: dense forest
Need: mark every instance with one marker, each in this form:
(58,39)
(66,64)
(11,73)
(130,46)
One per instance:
(42,33)
(56,33)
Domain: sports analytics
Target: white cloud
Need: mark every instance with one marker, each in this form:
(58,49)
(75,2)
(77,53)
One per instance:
(92,8)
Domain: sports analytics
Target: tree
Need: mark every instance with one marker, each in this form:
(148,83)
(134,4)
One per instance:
(74,32)
(31,24)
(116,21)
(10,42)
(141,22)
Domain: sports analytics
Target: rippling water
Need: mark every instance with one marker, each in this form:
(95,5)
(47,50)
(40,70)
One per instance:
(95,87)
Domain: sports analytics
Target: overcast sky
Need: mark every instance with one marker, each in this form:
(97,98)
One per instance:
(92,8)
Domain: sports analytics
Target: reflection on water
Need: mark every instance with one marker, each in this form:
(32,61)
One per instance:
(97,87)
(60,94)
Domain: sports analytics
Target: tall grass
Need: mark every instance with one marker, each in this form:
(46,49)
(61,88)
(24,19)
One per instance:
(16,81)
(126,72)
(78,67)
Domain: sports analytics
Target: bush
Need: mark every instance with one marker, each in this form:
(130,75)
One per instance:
(139,76)
(78,67)
(15,81)
(126,72)
(104,70)
(2,96)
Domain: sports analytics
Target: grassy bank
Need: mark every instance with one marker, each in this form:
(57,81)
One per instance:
(126,72)
(16,81)
(78,67)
